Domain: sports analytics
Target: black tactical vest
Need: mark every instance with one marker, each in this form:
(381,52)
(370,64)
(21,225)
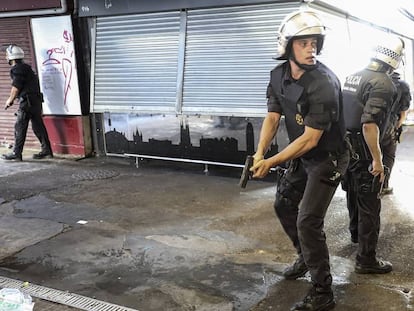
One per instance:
(365,87)
(26,80)
(317,91)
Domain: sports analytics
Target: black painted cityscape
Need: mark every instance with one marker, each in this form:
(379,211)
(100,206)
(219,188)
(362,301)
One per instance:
(222,149)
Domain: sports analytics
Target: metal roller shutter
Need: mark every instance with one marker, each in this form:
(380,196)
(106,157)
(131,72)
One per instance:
(14,30)
(136,63)
(228,58)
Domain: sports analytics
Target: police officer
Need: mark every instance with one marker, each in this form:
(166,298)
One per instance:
(25,88)
(308,94)
(368,97)
(399,111)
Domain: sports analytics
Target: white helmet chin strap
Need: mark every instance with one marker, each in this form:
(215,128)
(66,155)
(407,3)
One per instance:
(302,66)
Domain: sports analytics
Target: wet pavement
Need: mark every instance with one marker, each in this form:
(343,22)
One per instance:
(170,236)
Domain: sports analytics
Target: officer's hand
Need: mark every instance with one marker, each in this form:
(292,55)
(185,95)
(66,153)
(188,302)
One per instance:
(376,168)
(257,157)
(261,168)
(7,105)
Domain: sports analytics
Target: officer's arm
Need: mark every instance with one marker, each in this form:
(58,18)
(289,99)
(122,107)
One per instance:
(267,133)
(403,117)
(371,136)
(307,141)
(13,94)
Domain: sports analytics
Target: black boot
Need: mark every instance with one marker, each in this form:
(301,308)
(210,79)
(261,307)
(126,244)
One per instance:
(387,190)
(296,270)
(317,299)
(12,157)
(43,155)
(379,267)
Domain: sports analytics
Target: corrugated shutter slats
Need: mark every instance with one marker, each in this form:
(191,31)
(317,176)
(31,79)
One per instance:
(228,58)
(224,60)
(136,62)
(14,30)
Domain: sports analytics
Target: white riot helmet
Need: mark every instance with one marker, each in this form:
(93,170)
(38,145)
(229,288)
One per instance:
(14,52)
(302,23)
(390,52)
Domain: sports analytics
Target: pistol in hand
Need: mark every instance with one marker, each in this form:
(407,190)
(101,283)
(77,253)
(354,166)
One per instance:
(246,174)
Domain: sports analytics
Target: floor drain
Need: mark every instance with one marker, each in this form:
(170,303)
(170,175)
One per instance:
(95,174)
(61,297)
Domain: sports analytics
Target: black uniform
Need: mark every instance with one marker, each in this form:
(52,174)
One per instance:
(391,138)
(305,190)
(30,108)
(368,96)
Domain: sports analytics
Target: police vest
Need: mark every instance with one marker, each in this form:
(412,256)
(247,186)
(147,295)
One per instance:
(317,91)
(26,80)
(361,87)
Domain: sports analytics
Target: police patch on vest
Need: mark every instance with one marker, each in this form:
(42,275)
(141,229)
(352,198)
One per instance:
(299,119)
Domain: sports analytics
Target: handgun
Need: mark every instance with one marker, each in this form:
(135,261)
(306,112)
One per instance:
(398,133)
(376,184)
(246,174)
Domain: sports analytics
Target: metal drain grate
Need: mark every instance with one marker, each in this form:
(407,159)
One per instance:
(95,174)
(61,297)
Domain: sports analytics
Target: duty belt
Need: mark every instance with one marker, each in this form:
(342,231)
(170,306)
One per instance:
(359,149)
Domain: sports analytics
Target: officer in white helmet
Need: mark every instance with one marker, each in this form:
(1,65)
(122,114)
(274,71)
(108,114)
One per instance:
(308,94)
(26,90)
(14,52)
(368,98)
(390,140)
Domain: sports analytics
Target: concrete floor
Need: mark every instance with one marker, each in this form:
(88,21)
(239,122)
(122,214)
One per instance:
(168,236)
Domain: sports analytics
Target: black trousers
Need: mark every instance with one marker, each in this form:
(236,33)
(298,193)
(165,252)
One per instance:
(389,149)
(364,209)
(302,199)
(33,114)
